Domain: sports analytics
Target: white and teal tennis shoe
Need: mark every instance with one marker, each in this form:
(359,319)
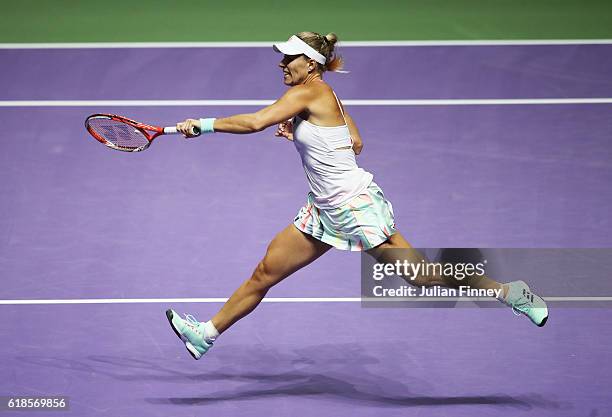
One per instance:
(191,332)
(523,301)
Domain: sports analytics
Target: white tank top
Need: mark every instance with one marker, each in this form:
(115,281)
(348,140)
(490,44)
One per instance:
(329,162)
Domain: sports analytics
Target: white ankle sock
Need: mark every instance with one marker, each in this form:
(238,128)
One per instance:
(210,332)
(501,297)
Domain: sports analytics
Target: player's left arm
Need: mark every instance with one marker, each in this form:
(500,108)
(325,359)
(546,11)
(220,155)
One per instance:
(293,102)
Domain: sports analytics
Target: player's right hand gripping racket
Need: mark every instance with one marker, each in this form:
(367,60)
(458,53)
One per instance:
(123,134)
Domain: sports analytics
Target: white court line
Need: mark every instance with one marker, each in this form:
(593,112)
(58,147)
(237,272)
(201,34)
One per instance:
(268,44)
(348,102)
(276,300)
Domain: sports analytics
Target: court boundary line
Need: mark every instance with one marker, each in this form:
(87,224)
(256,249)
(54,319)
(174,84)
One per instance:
(268,44)
(266,102)
(280,300)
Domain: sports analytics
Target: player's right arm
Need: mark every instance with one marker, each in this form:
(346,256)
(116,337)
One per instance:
(357,142)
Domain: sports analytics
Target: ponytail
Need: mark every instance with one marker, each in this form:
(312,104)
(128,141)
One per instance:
(325,46)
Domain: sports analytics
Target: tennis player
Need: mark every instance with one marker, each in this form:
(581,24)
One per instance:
(345,209)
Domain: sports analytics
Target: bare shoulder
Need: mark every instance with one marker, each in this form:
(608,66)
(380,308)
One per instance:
(301,92)
(322,89)
(323,105)
(318,101)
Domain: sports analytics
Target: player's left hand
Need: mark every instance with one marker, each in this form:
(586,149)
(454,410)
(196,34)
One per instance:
(186,127)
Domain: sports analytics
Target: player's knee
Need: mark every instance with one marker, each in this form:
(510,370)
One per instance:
(263,276)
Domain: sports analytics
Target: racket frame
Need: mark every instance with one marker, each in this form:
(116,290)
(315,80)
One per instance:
(150,132)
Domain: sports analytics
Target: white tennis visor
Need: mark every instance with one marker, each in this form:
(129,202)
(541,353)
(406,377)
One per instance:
(296,46)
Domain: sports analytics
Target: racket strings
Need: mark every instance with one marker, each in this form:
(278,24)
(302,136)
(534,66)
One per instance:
(117,133)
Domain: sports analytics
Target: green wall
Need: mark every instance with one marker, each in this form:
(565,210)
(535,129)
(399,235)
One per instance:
(184,20)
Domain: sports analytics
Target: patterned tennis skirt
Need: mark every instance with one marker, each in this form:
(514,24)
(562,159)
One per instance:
(364,222)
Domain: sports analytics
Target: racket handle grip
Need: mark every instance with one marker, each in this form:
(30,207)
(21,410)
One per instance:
(172,129)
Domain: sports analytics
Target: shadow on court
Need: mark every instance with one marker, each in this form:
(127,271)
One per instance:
(341,390)
(336,373)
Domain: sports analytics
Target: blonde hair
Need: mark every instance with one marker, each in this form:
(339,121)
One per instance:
(325,46)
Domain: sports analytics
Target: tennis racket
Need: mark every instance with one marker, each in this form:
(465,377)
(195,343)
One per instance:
(123,134)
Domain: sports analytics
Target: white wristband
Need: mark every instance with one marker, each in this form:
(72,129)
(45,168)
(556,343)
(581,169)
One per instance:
(207,125)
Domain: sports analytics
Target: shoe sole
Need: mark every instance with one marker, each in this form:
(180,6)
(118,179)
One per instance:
(545,318)
(192,351)
(544,321)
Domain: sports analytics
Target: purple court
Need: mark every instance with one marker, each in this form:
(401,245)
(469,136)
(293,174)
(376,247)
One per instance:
(190,219)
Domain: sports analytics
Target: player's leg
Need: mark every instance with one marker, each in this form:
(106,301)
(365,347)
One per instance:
(397,241)
(289,251)
(515,294)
